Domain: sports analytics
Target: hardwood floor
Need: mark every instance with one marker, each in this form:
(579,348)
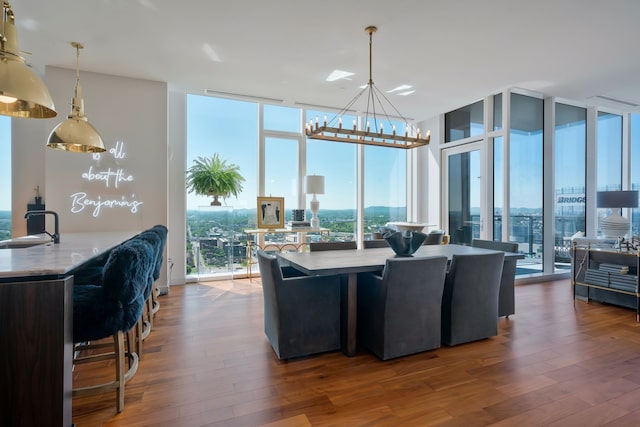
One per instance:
(208,363)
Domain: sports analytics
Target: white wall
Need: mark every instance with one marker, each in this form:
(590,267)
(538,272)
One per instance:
(177,206)
(429,176)
(131,116)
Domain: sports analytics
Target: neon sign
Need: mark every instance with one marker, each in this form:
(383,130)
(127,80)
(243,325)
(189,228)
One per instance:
(112,178)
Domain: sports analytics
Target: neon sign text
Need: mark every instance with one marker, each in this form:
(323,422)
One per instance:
(80,201)
(107,176)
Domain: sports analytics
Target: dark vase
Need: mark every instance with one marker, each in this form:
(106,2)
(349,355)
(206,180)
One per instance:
(404,243)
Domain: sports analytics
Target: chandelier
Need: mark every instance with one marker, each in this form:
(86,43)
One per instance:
(374,117)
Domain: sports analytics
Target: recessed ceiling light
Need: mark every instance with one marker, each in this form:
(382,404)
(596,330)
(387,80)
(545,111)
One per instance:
(338,74)
(211,54)
(409,92)
(399,88)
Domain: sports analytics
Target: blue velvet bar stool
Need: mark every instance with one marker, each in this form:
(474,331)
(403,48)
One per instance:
(90,272)
(162,232)
(153,239)
(157,237)
(112,308)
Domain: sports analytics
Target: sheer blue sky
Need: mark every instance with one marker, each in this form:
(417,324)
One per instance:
(230,128)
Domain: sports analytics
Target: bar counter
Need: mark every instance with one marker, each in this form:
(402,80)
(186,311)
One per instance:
(47,259)
(36,324)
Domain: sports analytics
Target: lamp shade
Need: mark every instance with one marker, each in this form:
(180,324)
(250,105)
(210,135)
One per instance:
(314,184)
(22,93)
(617,199)
(77,135)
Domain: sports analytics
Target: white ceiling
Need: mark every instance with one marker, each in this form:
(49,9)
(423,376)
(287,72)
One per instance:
(452,52)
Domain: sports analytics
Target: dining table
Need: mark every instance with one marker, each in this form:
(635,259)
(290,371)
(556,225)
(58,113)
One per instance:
(348,263)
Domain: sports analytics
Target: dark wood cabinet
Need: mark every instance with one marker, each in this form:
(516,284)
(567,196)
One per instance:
(36,346)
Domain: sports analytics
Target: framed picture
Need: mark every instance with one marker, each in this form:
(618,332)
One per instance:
(270,212)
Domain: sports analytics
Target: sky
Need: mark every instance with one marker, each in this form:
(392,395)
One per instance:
(230,128)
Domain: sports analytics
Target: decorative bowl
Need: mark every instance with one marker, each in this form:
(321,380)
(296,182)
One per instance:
(404,243)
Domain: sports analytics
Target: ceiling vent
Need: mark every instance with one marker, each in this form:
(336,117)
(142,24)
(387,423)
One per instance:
(242,96)
(614,102)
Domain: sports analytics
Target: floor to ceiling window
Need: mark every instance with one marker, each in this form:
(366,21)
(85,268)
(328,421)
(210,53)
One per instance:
(635,169)
(525,178)
(634,135)
(216,241)
(464,122)
(337,162)
(498,187)
(609,156)
(228,128)
(281,127)
(570,178)
(5,177)
(464,197)
(498,170)
(516,138)
(281,171)
(463,166)
(385,187)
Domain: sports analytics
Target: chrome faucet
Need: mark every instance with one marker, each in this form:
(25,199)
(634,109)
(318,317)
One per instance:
(56,234)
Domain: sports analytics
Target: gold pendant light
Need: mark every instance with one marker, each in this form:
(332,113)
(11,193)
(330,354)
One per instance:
(374,132)
(76,133)
(22,92)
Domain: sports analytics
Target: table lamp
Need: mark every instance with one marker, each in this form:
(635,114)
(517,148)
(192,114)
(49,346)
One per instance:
(615,225)
(314,184)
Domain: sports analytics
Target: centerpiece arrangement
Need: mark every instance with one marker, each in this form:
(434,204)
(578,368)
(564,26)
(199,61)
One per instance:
(403,243)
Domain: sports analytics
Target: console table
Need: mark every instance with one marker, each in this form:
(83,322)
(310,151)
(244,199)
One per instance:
(606,275)
(299,244)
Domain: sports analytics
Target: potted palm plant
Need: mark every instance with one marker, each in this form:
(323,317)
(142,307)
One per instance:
(213,176)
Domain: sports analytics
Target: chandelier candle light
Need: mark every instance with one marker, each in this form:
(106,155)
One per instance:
(314,184)
(335,131)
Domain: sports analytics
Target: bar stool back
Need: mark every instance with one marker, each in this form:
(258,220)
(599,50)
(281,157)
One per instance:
(111,309)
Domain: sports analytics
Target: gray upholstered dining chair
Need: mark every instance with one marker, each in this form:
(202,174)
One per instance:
(301,314)
(332,246)
(506,298)
(434,237)
(495,245)
(399,313)
(470,298)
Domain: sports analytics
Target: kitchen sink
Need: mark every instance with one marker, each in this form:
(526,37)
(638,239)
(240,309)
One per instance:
(24,242)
